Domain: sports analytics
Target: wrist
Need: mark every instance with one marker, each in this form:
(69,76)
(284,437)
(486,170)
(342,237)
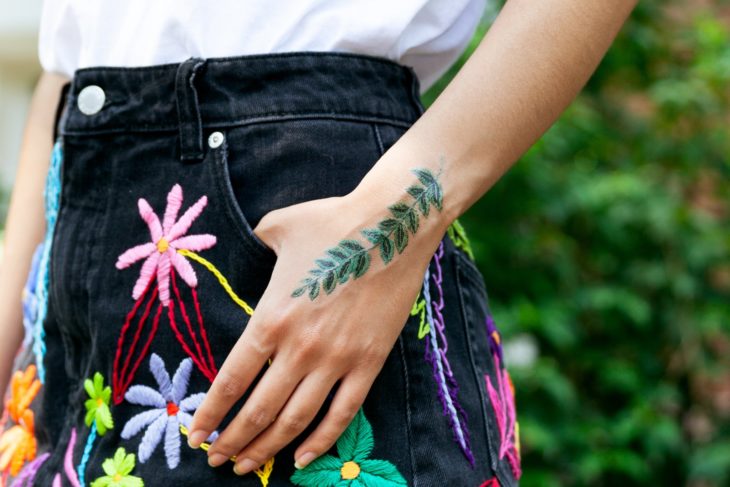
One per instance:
(405,204)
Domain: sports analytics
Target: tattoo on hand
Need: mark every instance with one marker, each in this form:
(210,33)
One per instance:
(351,258)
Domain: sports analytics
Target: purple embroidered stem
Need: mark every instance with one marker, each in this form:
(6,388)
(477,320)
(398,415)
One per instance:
(27,475)
(436,356)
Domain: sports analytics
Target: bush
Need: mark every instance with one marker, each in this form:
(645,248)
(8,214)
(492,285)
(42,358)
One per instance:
(607,248)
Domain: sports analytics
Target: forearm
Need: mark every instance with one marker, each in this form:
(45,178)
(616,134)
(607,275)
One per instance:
(532,63)
(25,224)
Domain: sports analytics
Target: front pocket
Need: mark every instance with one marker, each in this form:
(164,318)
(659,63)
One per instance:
(231,207)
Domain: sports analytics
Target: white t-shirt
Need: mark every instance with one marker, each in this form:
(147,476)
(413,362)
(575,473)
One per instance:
(426,34)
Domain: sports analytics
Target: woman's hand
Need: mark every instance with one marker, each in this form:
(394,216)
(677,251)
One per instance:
(345,335)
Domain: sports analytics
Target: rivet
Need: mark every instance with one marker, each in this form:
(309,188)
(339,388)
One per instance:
(215,140)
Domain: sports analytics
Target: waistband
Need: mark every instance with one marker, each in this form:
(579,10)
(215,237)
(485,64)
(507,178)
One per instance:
(217,92)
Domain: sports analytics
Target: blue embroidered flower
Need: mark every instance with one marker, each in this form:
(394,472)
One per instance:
(30,297)
(169,409)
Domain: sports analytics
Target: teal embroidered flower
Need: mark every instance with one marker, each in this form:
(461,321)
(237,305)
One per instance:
(97,406)
(353,467)
(117,470)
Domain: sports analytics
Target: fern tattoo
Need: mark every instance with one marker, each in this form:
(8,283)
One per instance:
(350,258)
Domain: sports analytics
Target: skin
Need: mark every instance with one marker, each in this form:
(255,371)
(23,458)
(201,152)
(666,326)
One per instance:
(530,66)
(25,224)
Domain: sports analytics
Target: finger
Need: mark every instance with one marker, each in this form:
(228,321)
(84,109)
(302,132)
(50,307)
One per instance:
(296,415)
(350,396)
(235,376)
(259,411)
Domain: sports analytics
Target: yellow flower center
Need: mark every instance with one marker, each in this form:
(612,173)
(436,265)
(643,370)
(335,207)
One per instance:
(99,401)
(350,470)
(162,245)
(117,477)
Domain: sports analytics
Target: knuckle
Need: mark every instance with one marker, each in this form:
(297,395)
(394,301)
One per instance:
(230,386)
(343,414)
(257,417)
(269,331)
(292,423)
(324,439)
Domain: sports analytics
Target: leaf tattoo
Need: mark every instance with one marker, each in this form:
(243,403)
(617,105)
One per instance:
(350,258)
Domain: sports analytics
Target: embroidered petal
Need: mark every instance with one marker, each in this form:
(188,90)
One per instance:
(380,472)
(140,421)
(163,278)
(149,216)
(152,438)
(183,224)
(157,367)
(192,402)
(145,396)
(174,202)
(194,242)
(135,254)
(356,442)
(180,380)
(183,268)
(145,274)
(184,418)
(172,442)
(323,471)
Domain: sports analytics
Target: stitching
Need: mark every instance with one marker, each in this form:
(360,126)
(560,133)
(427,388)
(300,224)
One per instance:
(267,117)
(435,355)
(379,139)
(232,59)
(221,279)
(411,455)
(465,318)
(52,204)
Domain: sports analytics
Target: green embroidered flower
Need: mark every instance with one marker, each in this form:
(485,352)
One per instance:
(458,235)
(97,406)
(353,467)
(117,471)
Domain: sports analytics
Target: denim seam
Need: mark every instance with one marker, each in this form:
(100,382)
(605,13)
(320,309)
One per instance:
(267,118)
(252,57)
(493,460)
(404,364)
(379,140)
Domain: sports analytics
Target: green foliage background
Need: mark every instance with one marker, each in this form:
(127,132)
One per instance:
(607,247)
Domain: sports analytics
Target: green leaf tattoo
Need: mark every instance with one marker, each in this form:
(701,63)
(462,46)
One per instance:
(350,258)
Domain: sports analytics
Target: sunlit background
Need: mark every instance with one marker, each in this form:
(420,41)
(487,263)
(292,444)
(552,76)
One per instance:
(606,253)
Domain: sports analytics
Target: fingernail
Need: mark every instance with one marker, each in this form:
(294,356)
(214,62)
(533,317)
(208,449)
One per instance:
(244,466)
(216,459)
(196,438)
(304,460)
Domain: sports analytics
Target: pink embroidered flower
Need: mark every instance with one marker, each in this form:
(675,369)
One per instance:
(161,254)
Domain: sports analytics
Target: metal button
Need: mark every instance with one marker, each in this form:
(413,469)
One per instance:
(215,140)
(91,99)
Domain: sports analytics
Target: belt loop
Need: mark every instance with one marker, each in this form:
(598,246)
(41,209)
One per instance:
(188,111)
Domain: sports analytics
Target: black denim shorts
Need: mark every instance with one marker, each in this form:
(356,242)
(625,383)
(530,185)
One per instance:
(150,271)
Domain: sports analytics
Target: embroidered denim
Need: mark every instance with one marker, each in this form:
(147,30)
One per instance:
(154,270)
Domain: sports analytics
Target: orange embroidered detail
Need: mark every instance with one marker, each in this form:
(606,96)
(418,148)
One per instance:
(23,389)
(18,444)
(350,470)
